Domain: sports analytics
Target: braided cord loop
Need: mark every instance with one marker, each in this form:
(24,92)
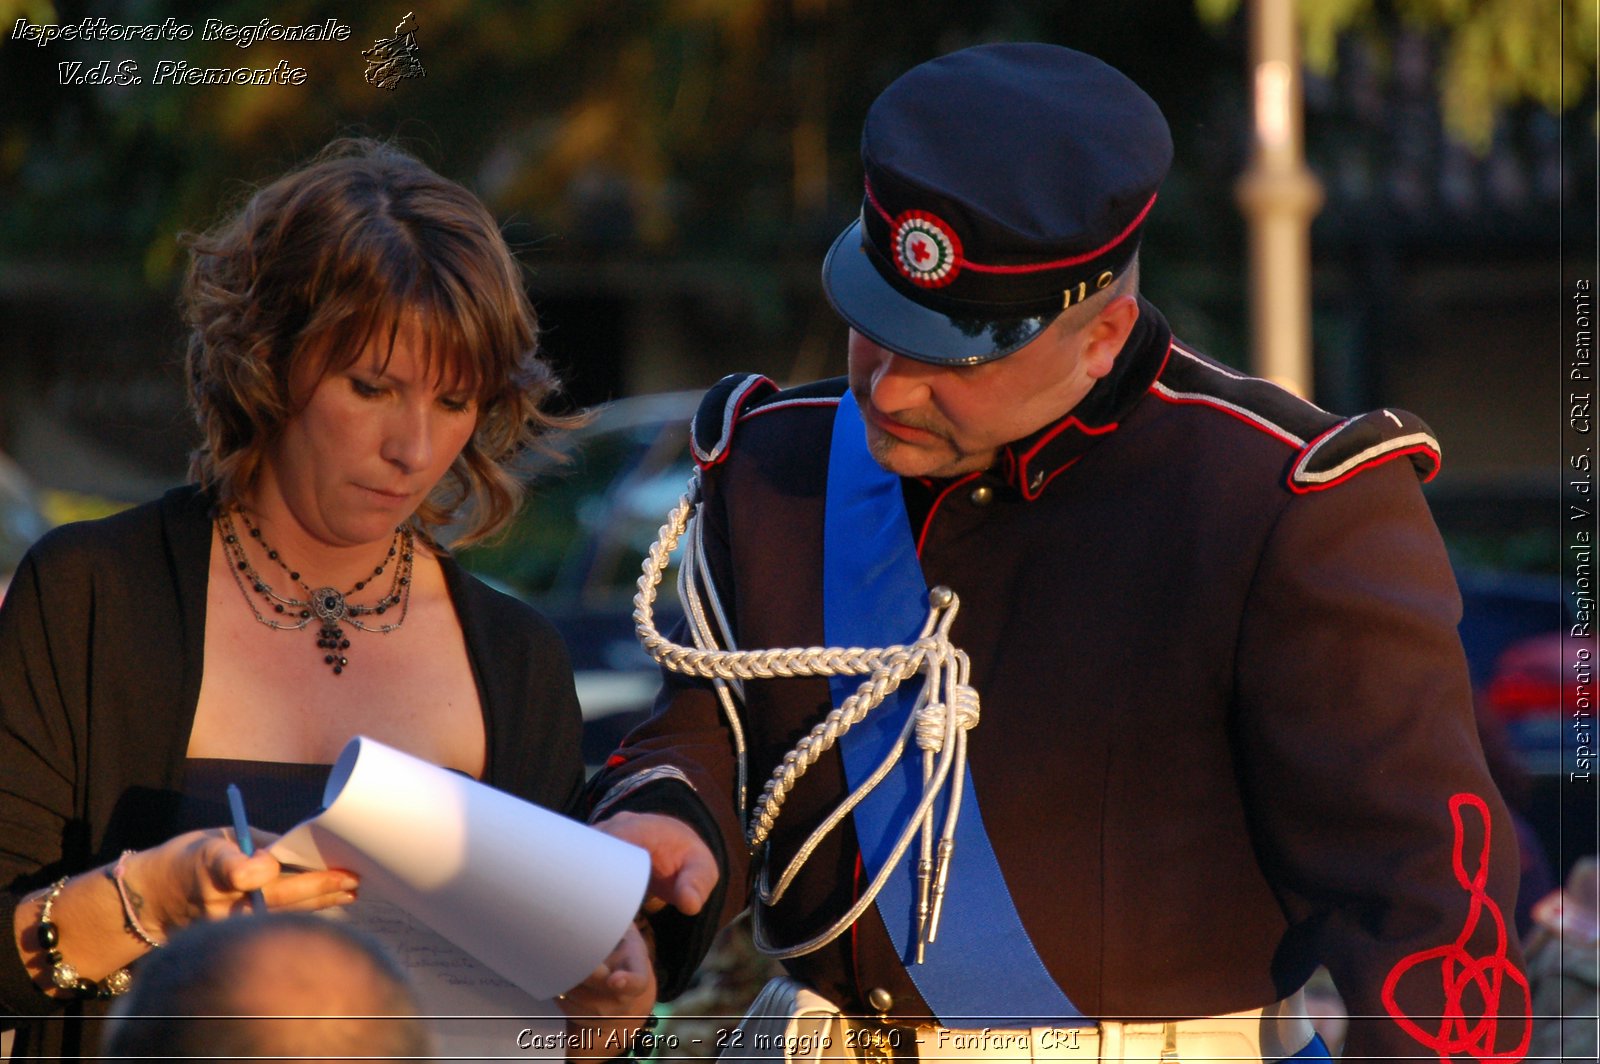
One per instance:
(945,710)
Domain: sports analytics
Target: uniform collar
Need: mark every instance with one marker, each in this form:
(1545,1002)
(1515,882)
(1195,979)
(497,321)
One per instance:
(1031,463)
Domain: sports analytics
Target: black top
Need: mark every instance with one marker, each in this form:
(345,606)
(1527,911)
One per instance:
(277,794)
(101,650)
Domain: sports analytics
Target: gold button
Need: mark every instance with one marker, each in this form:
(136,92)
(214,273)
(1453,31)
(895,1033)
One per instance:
(880,999)
(982,495)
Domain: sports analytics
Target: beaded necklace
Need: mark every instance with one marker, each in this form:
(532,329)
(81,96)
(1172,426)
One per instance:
(331,607)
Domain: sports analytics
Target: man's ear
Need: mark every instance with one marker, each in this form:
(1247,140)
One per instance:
(1107,334)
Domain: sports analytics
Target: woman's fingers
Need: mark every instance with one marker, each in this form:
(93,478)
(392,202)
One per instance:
(311,890)
(234,876)
(203,875)
(232,871)
(313,904)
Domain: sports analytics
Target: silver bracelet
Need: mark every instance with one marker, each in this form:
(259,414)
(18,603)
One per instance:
(130,919)
(64,975)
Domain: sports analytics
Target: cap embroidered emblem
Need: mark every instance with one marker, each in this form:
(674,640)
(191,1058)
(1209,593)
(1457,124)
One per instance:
(926,249)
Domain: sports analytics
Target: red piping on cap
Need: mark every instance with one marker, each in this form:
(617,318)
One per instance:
(1075,260)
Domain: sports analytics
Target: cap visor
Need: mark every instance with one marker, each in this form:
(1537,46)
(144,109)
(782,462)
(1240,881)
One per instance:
(880,312)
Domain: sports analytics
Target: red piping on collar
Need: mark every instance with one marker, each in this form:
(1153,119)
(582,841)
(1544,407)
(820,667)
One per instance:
(1070,422)
(927,522)
(1022,463)
(1045,483)
(1166,356)
(1016,468)
(1038,267)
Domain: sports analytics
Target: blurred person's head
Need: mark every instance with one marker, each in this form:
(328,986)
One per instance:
(360,258)
(287,985)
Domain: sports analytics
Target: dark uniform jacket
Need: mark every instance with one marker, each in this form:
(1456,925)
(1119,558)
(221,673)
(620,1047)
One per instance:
(1224,707)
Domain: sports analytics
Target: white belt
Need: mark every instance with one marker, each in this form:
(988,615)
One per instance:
(789,1022)
(1271,1033)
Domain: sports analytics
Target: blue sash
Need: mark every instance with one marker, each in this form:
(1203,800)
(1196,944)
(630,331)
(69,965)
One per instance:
(1316,1049)
(982,965)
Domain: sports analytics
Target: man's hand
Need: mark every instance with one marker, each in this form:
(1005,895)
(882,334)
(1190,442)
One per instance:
(683,870)
(623,985)
(613,1002)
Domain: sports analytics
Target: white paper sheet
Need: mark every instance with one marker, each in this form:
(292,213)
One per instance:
(538,898)
(474,1012)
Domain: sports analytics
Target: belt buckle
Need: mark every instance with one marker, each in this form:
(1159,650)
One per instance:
(872,1044)
(1169,1045)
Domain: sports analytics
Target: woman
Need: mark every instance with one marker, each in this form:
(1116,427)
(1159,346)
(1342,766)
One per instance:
(361,364)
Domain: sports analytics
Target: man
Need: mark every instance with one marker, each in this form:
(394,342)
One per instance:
(1203,675)
(283,985)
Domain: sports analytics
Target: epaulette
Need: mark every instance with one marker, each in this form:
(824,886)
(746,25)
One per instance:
(712,429)
(1362,442)
(737,396)
(1329,449)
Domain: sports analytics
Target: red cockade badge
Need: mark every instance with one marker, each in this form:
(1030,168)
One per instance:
(1466,980)
(926,249)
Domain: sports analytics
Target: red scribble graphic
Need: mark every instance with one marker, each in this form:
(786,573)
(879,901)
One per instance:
(1460,971)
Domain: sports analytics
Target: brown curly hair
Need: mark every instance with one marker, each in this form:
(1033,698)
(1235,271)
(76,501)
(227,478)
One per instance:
(327,258)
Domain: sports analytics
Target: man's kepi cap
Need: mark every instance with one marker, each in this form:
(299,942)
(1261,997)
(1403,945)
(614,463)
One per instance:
(1004,183)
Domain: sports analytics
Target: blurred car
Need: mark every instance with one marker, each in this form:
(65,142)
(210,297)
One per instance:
(21,520)
(1503,543)
(1526,692)
(575,549)
(1540,695)
(1517,613)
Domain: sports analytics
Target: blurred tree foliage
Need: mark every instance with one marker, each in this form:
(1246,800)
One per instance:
(709,139)
(704,130)
(1495,53)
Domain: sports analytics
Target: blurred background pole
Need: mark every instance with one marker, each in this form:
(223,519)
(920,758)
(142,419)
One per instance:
(1279,197)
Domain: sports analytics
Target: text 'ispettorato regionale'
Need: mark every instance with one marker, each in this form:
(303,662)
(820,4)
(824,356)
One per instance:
(177,72)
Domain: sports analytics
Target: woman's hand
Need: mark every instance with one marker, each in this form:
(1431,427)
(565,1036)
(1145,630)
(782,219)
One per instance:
(615,1000)
(203,875)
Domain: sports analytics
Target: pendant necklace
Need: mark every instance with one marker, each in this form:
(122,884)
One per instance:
(331,607)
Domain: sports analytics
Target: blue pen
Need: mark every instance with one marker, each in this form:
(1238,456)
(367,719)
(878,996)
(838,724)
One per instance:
(247,842)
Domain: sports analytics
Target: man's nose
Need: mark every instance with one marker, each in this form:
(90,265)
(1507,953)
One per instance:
(901,383)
